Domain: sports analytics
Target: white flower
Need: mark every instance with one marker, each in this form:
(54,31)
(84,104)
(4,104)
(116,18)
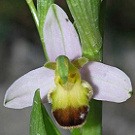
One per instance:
(108,83)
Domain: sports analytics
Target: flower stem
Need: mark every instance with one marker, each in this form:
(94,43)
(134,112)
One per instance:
(34,12)
(40,18)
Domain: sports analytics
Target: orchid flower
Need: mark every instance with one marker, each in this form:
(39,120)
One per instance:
(80,80)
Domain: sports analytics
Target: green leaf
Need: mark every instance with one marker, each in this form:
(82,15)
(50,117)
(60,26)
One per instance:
(37,125)
(49,125)
(86,17)
(40,122)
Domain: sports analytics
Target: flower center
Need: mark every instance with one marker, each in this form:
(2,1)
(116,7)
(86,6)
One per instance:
(70,82)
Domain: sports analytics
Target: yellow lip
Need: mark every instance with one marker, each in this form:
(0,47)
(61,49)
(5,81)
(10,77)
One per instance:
(70,98)
(70,107)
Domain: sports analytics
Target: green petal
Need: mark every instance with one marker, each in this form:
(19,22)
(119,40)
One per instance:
(50,65)
(80,62)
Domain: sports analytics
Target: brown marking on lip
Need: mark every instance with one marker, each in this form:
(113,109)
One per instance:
(71,117)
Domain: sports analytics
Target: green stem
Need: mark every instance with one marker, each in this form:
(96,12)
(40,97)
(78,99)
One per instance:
(34,12)
(42,9)
(36,19)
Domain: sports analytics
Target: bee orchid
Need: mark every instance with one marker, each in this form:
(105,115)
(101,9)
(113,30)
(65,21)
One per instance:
(68,80)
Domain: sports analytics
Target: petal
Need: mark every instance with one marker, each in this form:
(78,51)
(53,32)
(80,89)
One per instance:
(109,83)
(20,94)
(60,36)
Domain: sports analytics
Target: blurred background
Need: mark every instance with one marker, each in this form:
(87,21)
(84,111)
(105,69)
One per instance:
(21,51)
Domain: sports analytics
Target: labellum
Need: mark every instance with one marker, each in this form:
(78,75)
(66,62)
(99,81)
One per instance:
(70,95)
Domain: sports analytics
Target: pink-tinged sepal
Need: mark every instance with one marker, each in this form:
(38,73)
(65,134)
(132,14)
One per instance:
(109,83)
(20,94)
(60,36)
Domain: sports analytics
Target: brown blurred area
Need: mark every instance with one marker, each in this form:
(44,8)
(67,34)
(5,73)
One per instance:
(21,51)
